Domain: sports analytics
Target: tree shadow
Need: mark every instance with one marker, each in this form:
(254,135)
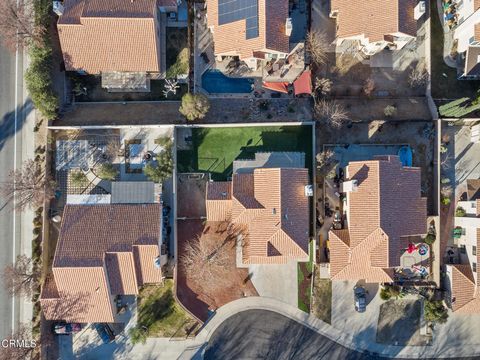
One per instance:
(7,124)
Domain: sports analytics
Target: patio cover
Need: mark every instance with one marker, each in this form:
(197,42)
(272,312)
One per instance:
(303,84)
(276,86)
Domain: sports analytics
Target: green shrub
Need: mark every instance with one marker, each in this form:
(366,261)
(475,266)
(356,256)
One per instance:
(79,179)
(137,335)
(460,212)
(446,201)
(107,172)
(390,110)
(389,291)
(430,239)
(163,169)
(435,311)
(194,106)
(38,80)
(37,231)
(385,294)
(181,65)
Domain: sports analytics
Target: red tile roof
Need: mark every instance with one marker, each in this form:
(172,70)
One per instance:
(386,208)
(374,18)
(109,35)
(229,39)
(465,293)
(272,205)
(102,251)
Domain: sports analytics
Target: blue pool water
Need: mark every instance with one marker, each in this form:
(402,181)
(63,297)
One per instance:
(215,82)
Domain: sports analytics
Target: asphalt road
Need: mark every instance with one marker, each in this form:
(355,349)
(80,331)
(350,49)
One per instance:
(8,235)
(260,334)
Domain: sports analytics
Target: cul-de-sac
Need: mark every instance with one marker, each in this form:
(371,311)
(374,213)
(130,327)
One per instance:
(239,179)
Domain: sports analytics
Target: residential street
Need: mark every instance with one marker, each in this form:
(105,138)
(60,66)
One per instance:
(13,147)
(260,334)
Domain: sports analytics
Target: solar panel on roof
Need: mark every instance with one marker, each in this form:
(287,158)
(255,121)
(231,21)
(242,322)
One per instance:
(234,10)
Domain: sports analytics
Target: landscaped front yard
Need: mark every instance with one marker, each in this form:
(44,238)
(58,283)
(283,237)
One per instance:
(159,313)
(305,273)
(214,149)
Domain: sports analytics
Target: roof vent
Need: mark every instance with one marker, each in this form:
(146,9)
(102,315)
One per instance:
(224,194)
(274,211)
(157,262)
(288,26)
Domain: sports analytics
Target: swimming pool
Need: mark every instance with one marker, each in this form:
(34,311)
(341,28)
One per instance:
(215,82)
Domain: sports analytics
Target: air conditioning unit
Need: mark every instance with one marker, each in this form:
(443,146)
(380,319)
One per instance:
(288,27)
(349,186)
(308,190)
(419,10)
(58,8)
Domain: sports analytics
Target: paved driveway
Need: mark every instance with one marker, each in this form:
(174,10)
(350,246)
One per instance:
(276,281)
(346,319)
(261,334)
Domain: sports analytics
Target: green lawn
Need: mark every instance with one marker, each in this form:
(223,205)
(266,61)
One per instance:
(304,271)
(160,314)
(444,78)
(215,149)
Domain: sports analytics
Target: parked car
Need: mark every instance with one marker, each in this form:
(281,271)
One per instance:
(360,298)
(66,329)
(105,332)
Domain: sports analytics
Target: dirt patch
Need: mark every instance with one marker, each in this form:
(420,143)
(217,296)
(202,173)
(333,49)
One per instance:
(201,298)
(399,323)
(322,298)
(191,195)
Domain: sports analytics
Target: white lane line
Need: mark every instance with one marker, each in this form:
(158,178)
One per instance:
(14,184)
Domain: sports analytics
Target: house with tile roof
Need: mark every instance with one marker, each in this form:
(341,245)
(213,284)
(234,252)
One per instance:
(272,205)
(252,30)
(462,283)
(117,39)
(104,251)
(467,36)
(384,211)
(376,24)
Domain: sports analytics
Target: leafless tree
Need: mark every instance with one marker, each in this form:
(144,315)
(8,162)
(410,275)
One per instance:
(205,260)
(323,86)
(10,346)
(112,149)
(17,23)
(369,87)
(330,113)
(418,76)
(445,162)
(21,278)
(325,159)
(29,184)
(317,45)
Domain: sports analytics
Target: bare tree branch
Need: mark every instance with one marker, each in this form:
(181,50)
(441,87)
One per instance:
(331,113)
(21,278)
(317,45)
(17,23)
(10,346)
(30,186)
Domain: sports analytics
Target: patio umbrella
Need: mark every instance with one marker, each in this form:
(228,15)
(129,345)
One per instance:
(276,86)
(303,84)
